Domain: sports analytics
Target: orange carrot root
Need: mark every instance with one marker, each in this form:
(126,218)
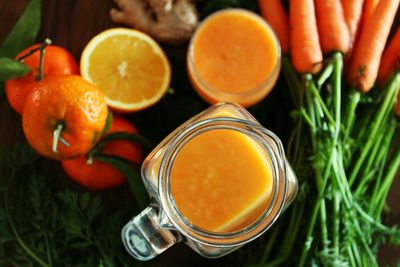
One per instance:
(369,8)
(390,59)
(368,50)
(353,13)
(274,13)
(304,40)
(332,28)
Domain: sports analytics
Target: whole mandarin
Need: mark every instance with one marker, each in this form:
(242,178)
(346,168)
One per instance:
(70,102)
(57,61)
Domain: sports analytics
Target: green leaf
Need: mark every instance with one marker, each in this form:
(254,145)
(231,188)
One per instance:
(136,138)
(133,177)
(108,123)
(11,68)
(24,32)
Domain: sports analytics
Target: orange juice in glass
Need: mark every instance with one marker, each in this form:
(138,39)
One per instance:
(234,56)
(217,182)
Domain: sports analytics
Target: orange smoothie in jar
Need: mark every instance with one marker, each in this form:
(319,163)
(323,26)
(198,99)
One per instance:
(234,56)
(221,180)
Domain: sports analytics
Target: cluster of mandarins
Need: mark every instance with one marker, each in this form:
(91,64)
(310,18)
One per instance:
(64,115)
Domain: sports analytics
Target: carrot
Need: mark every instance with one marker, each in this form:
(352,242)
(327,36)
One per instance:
(332,28)
(369,8)
(390,58)
(304,40)
(368,50)
(352,10)
(274,13)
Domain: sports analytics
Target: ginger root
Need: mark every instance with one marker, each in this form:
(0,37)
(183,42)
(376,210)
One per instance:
(168,21)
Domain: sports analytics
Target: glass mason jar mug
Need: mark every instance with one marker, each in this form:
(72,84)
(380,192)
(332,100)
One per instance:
(172,218)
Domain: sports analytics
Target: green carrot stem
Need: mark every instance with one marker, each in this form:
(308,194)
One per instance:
(311,112)
(337,88)
(294,151)
(336,225)
(321,183)
(314,213)
(368,173)
(299,151)
(319,115)
(351,257)
(379,142)
(324,225)
(388,180)
(344,189)
(380,167)
(295,227)
(292,233)
(276,262)
(307,119)
(290,150)
(297,94)
(386,107)
(364,243)
(377,157)
(349,118)
(336,81)
(356,253)
(372,221)
(364,125)
(271,243)
(363,186)
(321,102)
(325,74)
(340,179)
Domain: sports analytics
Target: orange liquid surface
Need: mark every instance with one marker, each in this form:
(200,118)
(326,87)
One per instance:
(221,180)
(234,52)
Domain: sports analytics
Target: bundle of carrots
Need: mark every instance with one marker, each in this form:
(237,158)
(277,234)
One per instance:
(358,29)
(343,73)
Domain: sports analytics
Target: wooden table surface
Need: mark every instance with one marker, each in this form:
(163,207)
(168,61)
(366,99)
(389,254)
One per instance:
(71,24)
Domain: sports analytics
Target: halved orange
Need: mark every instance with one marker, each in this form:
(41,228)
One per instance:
(128,66)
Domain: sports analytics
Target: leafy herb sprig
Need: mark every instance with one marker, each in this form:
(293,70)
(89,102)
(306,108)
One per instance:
(42,226)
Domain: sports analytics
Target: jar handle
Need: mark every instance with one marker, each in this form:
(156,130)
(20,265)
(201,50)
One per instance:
(144,238)
(293,186)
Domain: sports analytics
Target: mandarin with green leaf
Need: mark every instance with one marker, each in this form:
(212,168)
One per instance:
(95,174)
(56,61)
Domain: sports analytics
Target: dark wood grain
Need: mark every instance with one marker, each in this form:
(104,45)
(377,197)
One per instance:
(71,24)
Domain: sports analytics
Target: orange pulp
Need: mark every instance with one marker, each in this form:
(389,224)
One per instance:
(233,57)
(221,180)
